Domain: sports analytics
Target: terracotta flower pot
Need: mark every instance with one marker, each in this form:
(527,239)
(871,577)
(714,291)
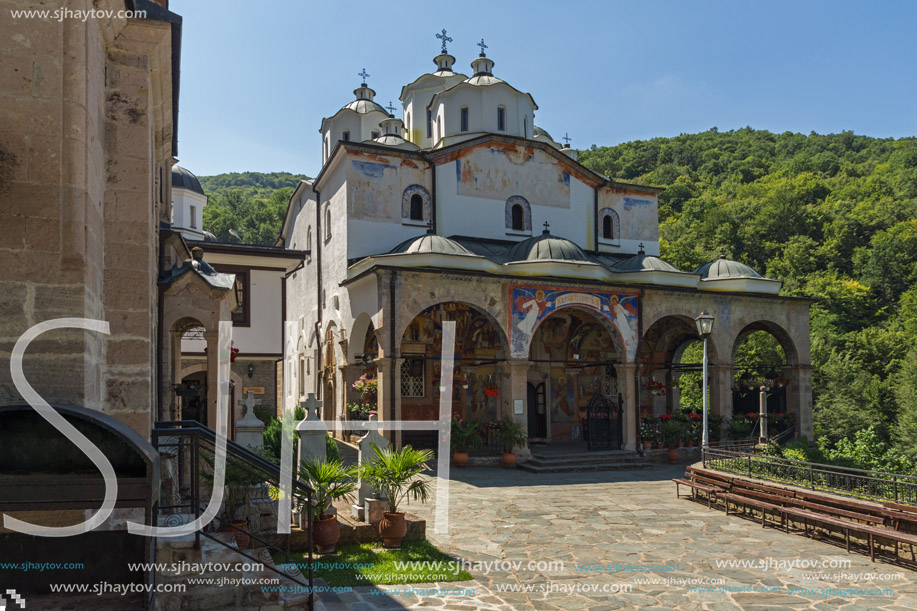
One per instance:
(393,528)
(659,445)
(509,459)
(326,534)
(681,444)
(647,445)
(673,455)
(460,458)
(242,539)
(690,444)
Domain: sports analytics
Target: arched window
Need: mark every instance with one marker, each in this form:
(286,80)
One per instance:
(610,224)
(464,118)
(415,205)
(309,242)
(518,215)
(439,127)
(327,222)
(501,118)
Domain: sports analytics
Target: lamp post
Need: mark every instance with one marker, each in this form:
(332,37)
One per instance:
(704,323)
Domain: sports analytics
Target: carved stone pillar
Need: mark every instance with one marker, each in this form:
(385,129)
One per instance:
(516,389)
(213,383)
(386,409)
(721,377)
(627,386)
(799,398)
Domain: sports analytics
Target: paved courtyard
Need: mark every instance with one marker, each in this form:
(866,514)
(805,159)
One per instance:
(595,521)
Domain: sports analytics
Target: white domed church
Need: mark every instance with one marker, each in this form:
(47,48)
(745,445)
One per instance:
(463,209)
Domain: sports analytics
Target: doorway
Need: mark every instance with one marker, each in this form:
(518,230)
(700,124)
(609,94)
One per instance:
(537,413)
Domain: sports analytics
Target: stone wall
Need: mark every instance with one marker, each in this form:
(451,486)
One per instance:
(86,108)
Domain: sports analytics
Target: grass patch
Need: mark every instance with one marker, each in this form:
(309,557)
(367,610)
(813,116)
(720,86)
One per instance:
(366,564)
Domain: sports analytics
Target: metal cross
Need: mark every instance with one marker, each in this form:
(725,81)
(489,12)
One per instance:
(546,225)
(310,403)
(566,138)
(364,75)
(250,402)
(641,247)
(390,108)
(444,38)
(483,46)
(430,226)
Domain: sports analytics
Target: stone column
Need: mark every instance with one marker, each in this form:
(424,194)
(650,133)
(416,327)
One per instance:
(799,398)
(627,386)
(387,411)
(721,377)
(516,376)
(213,384)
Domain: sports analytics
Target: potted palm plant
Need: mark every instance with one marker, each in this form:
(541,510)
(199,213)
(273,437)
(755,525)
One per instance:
(510,436)
(465,436)
(329,480)
(396,474)
(672,434)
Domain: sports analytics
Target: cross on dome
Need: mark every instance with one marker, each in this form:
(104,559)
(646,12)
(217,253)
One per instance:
(445,39)
(483,46)
(363,74)
(566,139)
(390,108)
(546,225)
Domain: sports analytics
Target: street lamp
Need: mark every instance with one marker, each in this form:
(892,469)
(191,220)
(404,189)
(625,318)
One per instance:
(704,323)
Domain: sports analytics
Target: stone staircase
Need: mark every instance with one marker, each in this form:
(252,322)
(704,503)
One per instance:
(545,461)
(221,593)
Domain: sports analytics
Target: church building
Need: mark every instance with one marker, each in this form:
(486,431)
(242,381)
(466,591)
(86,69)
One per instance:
(462,209)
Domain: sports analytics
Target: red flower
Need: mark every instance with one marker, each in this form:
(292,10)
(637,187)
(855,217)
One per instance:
(751,415)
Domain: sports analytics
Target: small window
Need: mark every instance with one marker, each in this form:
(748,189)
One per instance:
(439,127)
(375,135)
(416,207)
(302,376)
(429,124)
(345,136)
(464,118)
(193,222)
(525,127)
(607,228)
(412,378)
(501,119)
(518,218)
(407,120)
(611,224)
(309,242)
(327,223)
(241,315)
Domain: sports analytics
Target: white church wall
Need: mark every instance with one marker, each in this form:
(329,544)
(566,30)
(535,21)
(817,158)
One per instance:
(639,221)
(264,333)
(182,201)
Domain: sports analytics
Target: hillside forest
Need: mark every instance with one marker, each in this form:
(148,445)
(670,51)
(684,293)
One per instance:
(833,216)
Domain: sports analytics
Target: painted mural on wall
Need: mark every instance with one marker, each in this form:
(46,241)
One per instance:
(498,174)
(529,305)
(563,403)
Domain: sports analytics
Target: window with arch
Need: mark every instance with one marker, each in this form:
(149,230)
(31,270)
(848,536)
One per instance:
(415,205)
(345,136)
(439,127)
(374,135)
(518,215)
(609,225)
(407,122)
(464,118)
(327,222)
(525,127)
(429,123)
(501,118)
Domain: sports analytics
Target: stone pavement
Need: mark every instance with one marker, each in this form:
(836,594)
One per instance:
(628,518)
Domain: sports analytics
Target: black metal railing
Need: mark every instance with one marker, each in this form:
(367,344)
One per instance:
(252,491)
(847,481)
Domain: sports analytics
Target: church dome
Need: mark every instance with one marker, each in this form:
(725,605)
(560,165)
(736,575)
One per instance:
(365,106)
(547,247)
(538,131)
(431,243)
(642,262)
(724,268)
(183,179)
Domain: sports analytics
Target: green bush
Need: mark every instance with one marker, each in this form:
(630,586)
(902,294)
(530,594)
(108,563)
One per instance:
(331,448)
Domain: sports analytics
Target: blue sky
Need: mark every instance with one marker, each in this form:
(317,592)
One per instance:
(257,78)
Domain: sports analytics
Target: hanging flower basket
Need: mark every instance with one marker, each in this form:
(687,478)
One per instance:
(656,389)
(491,391)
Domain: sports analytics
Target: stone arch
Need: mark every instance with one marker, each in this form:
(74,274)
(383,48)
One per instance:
(609,326)
(492,315)
(518,200)
(776,330)
(674,332)
(409,193)
(609,224)
(361,325)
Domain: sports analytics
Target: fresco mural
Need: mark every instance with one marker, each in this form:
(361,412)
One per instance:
(562,397)
(530,304)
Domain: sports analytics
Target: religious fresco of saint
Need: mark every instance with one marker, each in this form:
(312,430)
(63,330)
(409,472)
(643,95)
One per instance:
(529,305)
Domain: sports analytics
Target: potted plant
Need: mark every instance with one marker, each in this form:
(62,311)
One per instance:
(510,436)
(396,474)
(187,389)
(648,434)
(672,435)
(239,516)
(329,480)
(465,436)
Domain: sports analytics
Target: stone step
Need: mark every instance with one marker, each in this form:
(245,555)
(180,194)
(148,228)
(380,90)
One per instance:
(580,467)
(574,459)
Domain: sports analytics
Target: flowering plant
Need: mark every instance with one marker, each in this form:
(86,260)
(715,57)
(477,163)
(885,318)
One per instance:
(657,389)
(367,386)
(648,431)
(491,391)
(466,434)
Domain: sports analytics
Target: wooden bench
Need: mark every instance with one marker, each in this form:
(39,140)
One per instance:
(764,506)
(710,487)
(762,488)
(714,475)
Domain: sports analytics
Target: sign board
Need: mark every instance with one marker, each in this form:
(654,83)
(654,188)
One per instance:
(518,407)
(258,390)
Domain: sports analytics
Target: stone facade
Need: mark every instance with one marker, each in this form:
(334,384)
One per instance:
(86,108)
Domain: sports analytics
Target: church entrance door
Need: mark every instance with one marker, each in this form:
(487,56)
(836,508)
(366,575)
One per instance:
(538,414)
